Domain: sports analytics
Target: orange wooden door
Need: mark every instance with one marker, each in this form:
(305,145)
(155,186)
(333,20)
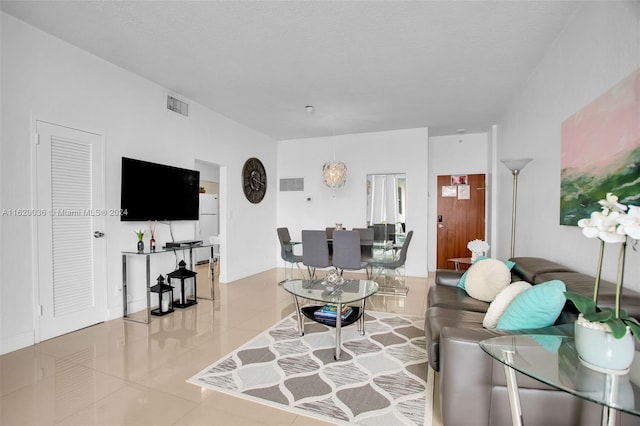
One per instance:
(460,217)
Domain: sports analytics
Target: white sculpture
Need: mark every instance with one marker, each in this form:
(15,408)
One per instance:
(478,248)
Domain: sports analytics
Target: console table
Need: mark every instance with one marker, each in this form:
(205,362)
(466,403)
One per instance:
(147,254)
(553,360)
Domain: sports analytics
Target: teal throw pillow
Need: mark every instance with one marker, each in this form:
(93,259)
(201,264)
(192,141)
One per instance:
(463,278)
(536,307)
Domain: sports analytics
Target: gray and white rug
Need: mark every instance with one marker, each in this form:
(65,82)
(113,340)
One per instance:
(382,378)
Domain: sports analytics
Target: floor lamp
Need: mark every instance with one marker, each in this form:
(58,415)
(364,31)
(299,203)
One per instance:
(516,166)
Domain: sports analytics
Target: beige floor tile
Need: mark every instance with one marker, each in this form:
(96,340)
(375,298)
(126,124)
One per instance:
(68,390)
(125,373)
(24,367)
(132,405)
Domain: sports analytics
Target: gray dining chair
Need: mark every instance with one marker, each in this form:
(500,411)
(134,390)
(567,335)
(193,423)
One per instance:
(379,231)
(346,252)
(382,266)
(286,252)
(315,251)
(366,243)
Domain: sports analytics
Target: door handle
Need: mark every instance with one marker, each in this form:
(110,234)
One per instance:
(98,234)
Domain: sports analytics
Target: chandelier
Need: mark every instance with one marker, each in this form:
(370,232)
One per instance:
(334,174)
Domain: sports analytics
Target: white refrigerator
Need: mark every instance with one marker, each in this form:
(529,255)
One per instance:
(208,225)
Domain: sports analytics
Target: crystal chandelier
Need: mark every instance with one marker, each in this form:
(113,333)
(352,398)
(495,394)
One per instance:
(334,174)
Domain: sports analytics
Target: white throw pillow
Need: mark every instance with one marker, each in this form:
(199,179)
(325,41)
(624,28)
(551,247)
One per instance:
(502,301)
(486,279)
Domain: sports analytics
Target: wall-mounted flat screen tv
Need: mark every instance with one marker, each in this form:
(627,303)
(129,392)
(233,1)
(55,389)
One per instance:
(151,191)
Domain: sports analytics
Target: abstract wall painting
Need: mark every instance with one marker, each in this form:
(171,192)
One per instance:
(601,152)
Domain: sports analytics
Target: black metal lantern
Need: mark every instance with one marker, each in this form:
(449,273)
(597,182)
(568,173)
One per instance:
(184,275)
(165,297)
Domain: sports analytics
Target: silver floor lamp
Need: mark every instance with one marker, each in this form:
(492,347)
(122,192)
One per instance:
(516,166)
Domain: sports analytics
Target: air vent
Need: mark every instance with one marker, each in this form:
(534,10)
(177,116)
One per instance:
(176,105)
(291,184)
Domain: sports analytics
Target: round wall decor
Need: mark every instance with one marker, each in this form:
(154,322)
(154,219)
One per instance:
(254,180)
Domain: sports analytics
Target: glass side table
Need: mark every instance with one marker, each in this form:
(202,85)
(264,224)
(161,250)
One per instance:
(553,360)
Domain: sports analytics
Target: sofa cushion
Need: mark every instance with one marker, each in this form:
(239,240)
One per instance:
(437,318)
(463,279)
(445,296)
(536,307)
(583,284)
(502,301)
(486,278)
(528,268)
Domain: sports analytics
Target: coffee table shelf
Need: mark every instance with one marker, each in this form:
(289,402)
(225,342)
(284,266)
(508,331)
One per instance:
(354,315)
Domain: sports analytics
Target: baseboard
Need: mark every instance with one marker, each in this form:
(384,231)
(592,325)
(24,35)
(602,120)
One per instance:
(19,341)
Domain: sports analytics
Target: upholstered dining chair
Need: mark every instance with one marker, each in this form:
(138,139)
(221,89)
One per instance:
(315,251)
(383,266)
(366,243)
(346,252)
(286,252)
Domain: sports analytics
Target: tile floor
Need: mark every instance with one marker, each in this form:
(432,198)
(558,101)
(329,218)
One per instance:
(126,373)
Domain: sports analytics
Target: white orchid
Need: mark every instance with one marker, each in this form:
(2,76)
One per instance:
(611,225)
(611,204)
(602,225)
(629,224)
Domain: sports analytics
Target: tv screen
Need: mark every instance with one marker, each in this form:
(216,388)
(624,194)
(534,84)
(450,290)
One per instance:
(151,191)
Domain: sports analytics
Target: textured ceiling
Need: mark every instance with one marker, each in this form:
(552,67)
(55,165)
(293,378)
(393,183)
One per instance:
(365,65)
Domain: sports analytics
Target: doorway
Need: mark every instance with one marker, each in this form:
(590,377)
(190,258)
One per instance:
(71,266)
(460,216)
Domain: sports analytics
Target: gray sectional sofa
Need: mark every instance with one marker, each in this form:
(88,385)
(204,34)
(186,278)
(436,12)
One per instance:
(472,385)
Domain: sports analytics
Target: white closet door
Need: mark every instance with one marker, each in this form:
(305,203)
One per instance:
(71,252)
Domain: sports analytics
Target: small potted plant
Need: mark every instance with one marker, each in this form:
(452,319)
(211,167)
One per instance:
(140,234)
(604,335)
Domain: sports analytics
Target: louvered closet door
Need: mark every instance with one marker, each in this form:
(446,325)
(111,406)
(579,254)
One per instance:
(71,256)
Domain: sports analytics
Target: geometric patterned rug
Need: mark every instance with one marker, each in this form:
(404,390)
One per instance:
(382,378)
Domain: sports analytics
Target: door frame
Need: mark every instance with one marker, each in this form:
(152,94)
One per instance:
(33,142)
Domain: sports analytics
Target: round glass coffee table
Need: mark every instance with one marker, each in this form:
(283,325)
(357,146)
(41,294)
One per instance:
(319,290)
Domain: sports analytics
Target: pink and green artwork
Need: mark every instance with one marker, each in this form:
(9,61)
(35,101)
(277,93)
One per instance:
(601,152)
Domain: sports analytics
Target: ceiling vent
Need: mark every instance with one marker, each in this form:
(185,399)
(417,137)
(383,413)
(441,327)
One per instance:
(291,184)
(176,105)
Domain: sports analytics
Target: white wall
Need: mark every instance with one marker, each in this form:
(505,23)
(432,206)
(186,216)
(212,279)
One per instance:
(599,48)
(45,78)
(452,155)
(401,151)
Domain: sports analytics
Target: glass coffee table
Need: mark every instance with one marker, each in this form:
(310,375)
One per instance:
(319,290)
(553,360)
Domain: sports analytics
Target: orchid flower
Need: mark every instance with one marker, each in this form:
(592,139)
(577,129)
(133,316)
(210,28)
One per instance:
(629,224)
(611,204)
(603,226)
(611,225)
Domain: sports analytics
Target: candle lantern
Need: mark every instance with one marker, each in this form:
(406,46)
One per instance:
(187,281)
(165,297)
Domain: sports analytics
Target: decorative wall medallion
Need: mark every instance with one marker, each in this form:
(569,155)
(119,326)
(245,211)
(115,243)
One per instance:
(254,180)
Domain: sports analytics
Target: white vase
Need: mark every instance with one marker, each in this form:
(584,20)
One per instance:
(598,348)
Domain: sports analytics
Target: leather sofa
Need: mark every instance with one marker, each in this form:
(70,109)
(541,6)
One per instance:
(473,385)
